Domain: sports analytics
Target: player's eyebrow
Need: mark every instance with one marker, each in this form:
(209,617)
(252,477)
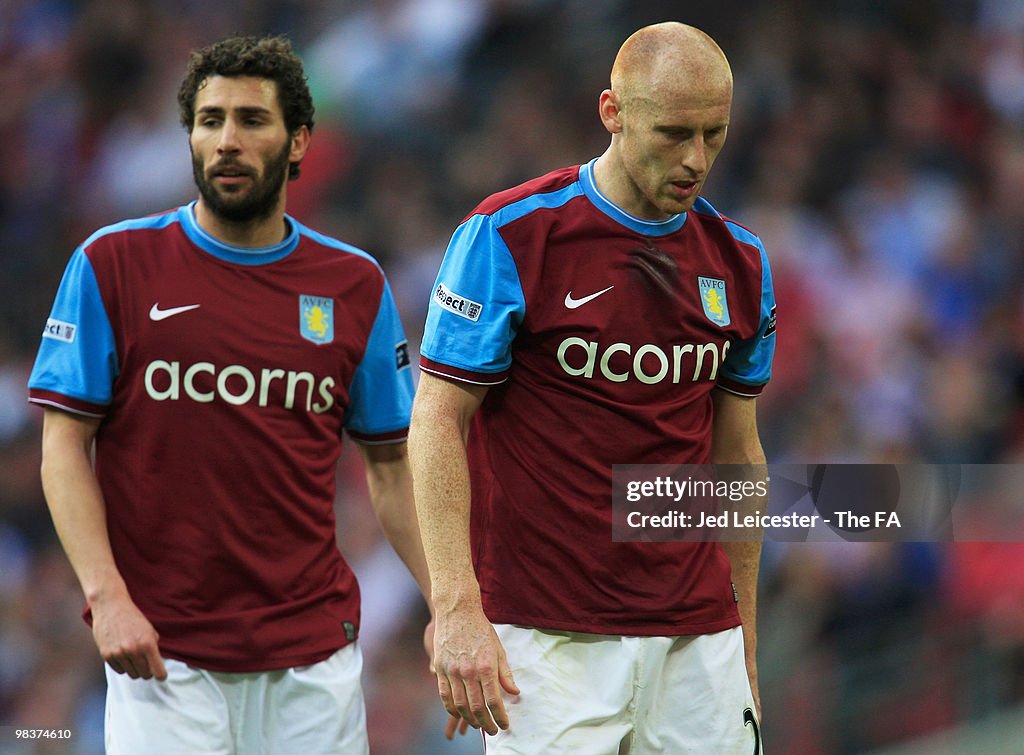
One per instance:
(243,110)
(688,130)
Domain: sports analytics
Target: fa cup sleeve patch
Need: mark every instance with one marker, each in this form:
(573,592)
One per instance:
(457,305)
(59,330)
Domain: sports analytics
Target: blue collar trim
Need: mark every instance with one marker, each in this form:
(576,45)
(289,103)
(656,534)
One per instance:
(616,213)
(237,254)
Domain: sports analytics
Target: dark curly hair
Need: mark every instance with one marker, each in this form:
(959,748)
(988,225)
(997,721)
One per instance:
(264,57)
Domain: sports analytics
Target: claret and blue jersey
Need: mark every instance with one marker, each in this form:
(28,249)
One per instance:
(602,336)
(224,378)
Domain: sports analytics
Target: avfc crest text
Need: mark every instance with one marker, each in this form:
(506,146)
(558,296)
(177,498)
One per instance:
(712,296)
(316,318)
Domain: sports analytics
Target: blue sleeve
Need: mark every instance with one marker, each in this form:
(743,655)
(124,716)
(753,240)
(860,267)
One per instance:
(380,396)
(749,362)
(476,306)
(77,357)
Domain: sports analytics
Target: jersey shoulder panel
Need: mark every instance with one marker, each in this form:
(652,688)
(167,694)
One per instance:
(548,190)
(345,249)
(707,214)
(106,241)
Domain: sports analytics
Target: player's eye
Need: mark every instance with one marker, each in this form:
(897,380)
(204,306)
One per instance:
(677,135)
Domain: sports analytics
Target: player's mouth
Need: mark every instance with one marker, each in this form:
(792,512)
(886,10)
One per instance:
(684,189)
(230,175)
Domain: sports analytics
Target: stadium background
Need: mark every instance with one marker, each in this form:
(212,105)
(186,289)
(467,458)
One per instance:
(877,148)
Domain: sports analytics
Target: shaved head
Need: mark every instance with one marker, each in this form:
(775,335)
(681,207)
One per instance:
(670,60)
(668,114)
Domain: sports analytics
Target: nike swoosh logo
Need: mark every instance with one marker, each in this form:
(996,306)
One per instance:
(156,314)
(574,303)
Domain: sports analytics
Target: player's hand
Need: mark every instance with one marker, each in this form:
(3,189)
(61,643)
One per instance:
(455,723)
(428,643)
(472,671)
(126,640)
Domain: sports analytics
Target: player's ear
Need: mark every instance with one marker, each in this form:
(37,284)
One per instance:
(300,143)
(610,110)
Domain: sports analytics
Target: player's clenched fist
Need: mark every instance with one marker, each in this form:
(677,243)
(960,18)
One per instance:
(126,640)
(472,670)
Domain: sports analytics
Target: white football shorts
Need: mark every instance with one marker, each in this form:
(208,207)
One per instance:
(316,709)
(614,695)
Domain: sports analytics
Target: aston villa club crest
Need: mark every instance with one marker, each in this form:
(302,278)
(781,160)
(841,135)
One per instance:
(712,296)
(316,318)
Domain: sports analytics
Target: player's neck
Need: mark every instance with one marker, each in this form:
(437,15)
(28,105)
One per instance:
(611,180)
(252,234)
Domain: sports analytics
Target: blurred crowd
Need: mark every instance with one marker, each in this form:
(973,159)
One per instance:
(876,148)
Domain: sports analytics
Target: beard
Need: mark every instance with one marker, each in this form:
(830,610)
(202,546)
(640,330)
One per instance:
(257,203)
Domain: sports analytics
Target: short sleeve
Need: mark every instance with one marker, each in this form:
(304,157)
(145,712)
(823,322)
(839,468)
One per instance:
(77,362)
(476,307)
(748,365)
(380,395)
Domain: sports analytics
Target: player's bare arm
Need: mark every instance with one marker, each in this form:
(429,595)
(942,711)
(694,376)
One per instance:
(735,441)
(469,660)
(390,483)
(125,638)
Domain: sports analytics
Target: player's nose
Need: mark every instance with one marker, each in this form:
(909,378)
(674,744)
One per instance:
(694,159)
(228,141)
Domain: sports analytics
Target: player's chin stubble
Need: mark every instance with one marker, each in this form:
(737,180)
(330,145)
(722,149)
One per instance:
(258,203)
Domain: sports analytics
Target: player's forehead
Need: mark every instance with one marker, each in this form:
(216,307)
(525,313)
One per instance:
(685,112)
(671,88)
(238,93)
